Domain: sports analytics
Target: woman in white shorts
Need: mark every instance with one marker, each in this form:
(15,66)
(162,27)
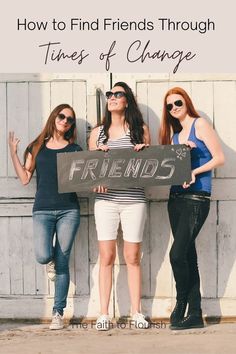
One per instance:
(122,127)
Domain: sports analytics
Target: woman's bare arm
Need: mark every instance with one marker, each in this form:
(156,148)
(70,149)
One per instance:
(22,171)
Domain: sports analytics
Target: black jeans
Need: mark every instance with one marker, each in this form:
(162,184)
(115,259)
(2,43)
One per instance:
(187,214)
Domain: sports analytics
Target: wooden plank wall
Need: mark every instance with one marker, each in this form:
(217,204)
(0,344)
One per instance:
(25,292)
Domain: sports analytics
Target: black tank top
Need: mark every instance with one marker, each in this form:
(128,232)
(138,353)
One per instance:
(47,196)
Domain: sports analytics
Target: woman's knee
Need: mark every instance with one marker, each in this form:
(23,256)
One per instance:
(43,259)
(107,258)
(132,258)
(176,258)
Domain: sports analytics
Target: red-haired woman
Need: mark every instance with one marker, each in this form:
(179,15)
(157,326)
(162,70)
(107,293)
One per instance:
(53,213)
(188,205)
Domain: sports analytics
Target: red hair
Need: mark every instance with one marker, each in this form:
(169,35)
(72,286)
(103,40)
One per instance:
(170,125)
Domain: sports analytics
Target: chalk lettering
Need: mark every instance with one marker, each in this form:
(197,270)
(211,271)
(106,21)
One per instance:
(149,168)
(115,170)
(75,166)
(90,165)
(165,164)
(104,168)
(123,168)
(133,168)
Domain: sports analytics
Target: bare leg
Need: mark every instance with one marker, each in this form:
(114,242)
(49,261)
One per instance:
(107,252)
(132,259)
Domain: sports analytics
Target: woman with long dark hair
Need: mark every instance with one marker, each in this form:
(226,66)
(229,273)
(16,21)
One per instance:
(54,215)
(122,127)
(188,205)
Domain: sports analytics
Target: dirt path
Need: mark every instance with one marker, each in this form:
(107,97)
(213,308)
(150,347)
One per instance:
(37,339)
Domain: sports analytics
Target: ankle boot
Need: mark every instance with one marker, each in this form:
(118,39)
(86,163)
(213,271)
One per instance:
(193,320)
(177,314)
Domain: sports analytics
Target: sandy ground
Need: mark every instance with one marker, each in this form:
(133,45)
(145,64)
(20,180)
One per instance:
(17,338)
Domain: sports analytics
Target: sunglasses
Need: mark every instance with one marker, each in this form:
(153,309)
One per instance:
(117,94)
(70,120)
(177,103)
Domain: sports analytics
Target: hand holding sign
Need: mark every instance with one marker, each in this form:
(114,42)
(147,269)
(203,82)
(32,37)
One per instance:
(103,148)
(139,147)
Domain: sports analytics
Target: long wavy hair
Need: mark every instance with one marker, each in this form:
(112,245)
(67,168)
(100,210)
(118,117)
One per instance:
(48,131)
(133,117)
(169,124)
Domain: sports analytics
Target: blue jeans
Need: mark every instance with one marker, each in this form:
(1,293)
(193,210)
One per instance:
(187,214)
(64,225)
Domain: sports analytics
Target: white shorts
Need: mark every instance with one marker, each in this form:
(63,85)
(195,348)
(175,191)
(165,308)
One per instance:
(108,215)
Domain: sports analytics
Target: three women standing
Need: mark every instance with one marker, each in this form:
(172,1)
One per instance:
(188,206)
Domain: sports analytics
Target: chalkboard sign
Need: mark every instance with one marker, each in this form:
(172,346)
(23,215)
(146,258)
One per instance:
(122,168)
